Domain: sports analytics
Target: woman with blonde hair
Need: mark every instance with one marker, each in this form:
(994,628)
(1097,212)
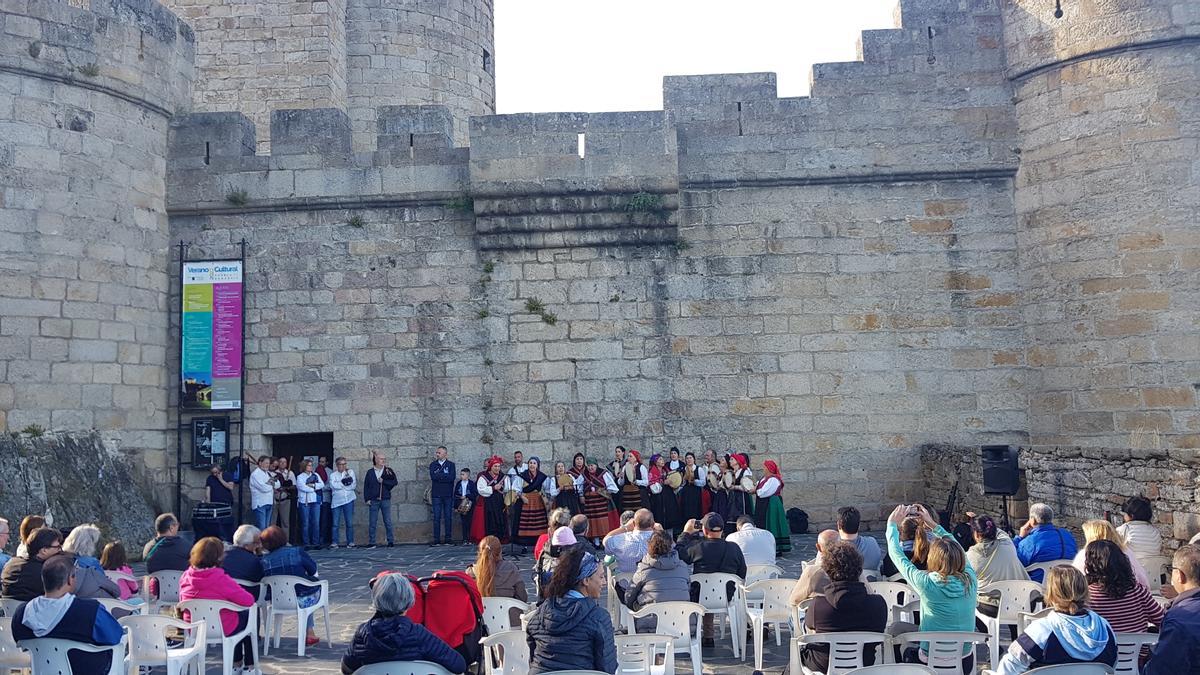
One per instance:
(495,576)
(1102,530)
(1071,633)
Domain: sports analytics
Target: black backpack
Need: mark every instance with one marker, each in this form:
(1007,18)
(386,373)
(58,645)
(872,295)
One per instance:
(797,521)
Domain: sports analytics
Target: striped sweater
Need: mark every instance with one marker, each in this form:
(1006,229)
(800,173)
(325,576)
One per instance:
(1128,614)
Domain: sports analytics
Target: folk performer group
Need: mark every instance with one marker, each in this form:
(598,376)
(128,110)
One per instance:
(513,501)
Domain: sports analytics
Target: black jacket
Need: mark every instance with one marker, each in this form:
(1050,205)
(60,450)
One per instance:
(374,489)
(244,565)
(443,478)
(168,553)
(472,491)
(709,556)
(846,607)
(397,638)
(22,579)
(571,634)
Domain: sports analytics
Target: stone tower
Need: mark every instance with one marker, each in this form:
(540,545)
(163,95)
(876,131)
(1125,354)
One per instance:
(349,55)
(1107,99)
(86,92)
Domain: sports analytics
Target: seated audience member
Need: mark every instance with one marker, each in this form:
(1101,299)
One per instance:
(495,576)
(757,544)
(947,587)
(1176,652)
(1102,530)
(28,525)
(559,517)
(813,579)
(709,555)
(114,559)
(1041,541)
(579,526)
(660,577)
(570,630)
(914,539)
(628,543)
(1070,634)
(627,516)
(167,551)
(5,534)
(58,614)
(22,577)
(206,580)
(994,558)
(1138,536)
(845,607)
(281,558)
(1115,594)
(90,581)
(848,522)
(562,541)
(242,561)
(389,635)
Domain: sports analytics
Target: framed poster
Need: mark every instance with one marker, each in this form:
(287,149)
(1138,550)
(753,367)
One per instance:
(210,441)
(211,335)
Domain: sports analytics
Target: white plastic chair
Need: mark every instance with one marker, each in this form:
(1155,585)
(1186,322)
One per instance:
(1129,650)
(1045,567)
(760,572)
(638,654)
(505,653)
(148,644)
(497,613)
(1026,618)
(10,606)
(127,609)
(945,648)
(612,603)
(773,609)
(675,620)
(209,611)
(1067,669)
(12,657)
(714,597)
(168,589)
(1156,567)
(870,575)
(845,650)
(896,669)
(898,596)
(117,577)
(49,655)
(402,668)
(284,602)
(1016,597)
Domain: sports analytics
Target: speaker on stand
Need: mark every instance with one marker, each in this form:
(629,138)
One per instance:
(1001,476)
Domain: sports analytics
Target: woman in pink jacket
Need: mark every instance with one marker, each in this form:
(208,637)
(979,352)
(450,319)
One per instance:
(205,580)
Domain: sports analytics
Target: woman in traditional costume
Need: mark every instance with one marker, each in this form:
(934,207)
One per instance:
(490,520)
(663,503)
(691,503)
(768,510)
(741,499)
(565,489)
(719,480)
(532,522)
(633,481)
(675,463)
(598,490)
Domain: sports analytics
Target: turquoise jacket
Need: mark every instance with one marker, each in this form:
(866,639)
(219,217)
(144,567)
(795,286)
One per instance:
(946,604)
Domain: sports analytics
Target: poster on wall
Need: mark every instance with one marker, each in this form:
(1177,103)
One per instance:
(211,335)
(210,436)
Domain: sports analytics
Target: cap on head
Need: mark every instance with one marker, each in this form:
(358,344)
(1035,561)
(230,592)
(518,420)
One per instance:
(713,522)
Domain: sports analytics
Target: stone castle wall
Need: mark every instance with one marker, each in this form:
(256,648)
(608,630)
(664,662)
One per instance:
(85,95)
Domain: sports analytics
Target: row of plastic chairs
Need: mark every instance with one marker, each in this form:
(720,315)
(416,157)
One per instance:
(143,644)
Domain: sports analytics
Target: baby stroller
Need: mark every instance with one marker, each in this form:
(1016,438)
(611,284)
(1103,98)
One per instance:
(449,605)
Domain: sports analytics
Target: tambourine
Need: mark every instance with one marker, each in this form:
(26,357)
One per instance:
(565,482)
(511,497)
(713,479)
(727,480)
(747,484)
(464,506)
(674,480)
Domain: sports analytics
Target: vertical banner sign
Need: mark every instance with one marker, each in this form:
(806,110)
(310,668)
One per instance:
(211,344)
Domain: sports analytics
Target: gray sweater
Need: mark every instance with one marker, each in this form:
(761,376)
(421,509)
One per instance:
(662,579)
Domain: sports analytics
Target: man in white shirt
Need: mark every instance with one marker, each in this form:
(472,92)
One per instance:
(342,483)
(262,493)
(628,543)
(758,546)
(515,483)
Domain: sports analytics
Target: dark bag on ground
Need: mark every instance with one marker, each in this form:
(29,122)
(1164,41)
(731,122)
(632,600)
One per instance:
(797,521)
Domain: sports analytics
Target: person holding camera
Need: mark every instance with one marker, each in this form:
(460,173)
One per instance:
(343,482)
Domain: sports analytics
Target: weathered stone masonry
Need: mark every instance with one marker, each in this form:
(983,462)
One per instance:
(981,232)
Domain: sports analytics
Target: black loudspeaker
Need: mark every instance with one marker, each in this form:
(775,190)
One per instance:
(1000,475)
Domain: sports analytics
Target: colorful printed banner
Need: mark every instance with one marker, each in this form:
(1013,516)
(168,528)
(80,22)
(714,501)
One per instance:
(211,354)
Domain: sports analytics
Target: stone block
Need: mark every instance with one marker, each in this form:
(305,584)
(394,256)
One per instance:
(196,138)
(318,131)
(401,127)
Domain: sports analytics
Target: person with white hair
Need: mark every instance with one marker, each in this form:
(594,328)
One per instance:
(242,561)
(1042,541)
(90,580)
(391,636)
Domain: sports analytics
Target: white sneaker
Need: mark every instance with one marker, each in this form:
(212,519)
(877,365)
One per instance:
(251,671)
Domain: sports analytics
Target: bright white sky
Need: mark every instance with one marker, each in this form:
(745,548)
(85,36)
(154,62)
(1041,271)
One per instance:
(602,55)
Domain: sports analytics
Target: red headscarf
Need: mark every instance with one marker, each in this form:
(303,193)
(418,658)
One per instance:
(637,456)
(492,461)
(772,471)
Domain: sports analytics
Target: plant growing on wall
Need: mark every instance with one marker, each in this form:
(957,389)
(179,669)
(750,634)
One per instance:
(462,204)
(644,202)
(237,197)
(89,70)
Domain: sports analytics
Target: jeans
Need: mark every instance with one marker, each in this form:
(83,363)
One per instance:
(262,517)
(310,523)
(442,508)
(344,513)
(375,507)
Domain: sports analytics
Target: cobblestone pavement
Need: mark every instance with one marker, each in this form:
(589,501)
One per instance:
(349,570)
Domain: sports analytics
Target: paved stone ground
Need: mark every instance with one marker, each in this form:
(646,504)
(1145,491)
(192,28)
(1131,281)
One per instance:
(349,570)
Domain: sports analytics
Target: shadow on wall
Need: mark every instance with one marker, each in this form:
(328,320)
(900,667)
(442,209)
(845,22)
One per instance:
(74,475)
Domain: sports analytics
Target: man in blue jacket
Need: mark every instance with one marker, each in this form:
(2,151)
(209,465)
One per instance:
(1042,541)
(377,492)
(1178,648)
(442,474)
(60,615)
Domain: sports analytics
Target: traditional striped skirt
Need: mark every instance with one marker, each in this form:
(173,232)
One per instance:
(596,507)
(533,523)
(631,497)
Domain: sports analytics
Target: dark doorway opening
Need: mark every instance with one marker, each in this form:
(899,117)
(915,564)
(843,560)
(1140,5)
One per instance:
(296,448)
